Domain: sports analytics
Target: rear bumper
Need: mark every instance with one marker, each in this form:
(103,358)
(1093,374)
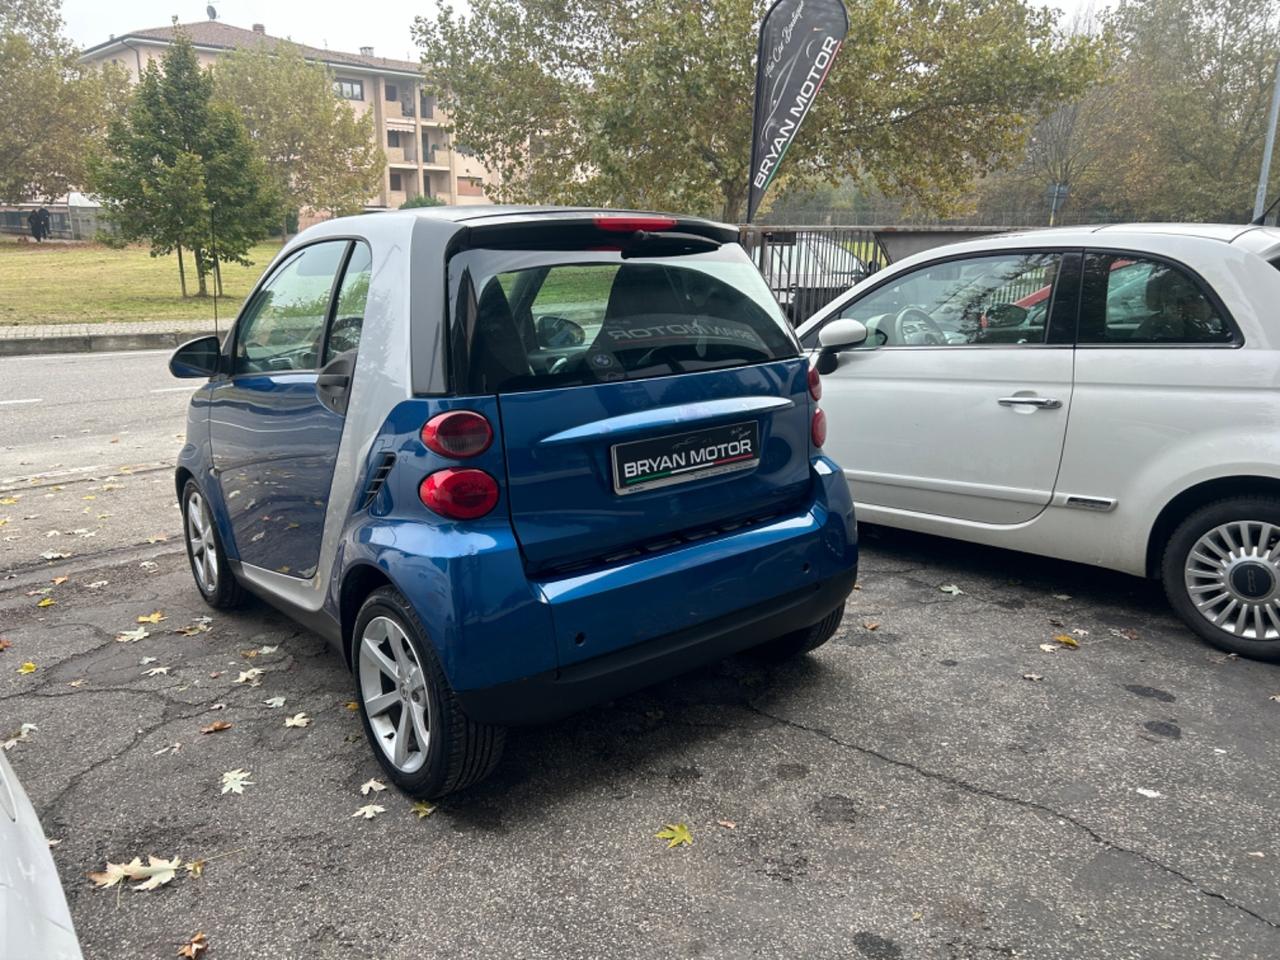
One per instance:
(558,693)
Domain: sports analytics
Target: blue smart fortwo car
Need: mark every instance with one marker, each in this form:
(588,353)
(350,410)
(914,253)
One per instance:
(511,462)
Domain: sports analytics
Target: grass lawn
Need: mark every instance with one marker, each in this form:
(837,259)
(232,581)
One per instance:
(89,283)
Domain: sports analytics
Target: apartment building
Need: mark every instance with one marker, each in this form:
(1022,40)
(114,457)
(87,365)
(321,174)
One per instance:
(421,159)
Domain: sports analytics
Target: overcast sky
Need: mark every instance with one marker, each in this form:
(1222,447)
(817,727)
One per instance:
(383,24)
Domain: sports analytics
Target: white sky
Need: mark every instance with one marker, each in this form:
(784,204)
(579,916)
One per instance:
(320,23)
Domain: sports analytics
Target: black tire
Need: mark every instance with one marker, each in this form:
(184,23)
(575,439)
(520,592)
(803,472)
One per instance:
(799,642)
(460,752)
(225,593)
(1258,509)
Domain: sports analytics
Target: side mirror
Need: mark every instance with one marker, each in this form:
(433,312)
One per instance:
(836,336)
(557,332)
(197,358)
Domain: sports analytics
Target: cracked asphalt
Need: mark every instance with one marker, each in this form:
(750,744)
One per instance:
(903,793)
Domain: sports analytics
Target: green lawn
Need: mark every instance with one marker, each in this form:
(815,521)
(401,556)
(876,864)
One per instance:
(89,283)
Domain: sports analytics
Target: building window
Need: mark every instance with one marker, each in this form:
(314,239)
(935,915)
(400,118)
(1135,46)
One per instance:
(395,182)
(470,187)
(393,138)
(391,92)
(349,89)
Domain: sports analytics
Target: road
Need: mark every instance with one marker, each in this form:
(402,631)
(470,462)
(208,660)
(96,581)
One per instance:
(905,793)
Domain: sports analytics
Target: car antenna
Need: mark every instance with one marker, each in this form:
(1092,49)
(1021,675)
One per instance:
(1261,219)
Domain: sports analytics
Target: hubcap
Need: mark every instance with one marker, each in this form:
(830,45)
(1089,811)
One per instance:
(1233,577)
(204,556)
(394,690)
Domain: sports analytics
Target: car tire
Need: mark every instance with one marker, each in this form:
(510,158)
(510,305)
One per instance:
(1236,588)
(209,567)
(405,697)
(799,642)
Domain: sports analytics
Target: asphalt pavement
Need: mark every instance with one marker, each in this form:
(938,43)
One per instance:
(932,783)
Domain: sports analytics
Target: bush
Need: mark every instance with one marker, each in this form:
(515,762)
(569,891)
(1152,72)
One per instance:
(421,200)
(109,238)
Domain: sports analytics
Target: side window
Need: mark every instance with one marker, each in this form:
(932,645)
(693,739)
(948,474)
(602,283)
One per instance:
(348,318)
(980,301)
(1132,300)
(283,327)
(576,293)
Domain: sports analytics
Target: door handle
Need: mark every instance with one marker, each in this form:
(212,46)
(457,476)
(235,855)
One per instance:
(1044,403)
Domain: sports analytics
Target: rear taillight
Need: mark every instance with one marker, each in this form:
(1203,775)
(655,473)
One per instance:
(459,493)
(818,427)
(458,433)
(815,384)
(631,223)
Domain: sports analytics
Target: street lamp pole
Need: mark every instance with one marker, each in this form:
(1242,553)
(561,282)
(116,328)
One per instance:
(1260,198)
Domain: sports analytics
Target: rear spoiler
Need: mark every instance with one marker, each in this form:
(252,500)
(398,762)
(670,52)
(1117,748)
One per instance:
(584,229)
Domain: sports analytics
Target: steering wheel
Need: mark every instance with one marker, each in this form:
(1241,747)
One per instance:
(912,326)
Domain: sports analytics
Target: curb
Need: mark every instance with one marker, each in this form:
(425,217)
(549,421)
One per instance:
(94,342)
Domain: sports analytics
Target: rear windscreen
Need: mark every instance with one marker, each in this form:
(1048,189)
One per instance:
(531,320)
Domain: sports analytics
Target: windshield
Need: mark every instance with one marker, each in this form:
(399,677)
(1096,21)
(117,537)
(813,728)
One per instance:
(531,320)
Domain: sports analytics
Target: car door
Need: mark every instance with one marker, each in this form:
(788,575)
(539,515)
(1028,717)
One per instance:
(274,442)
(957,404)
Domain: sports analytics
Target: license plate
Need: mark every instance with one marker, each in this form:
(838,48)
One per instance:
(681,457)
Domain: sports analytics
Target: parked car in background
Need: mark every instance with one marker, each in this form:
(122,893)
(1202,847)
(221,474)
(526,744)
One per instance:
(34,920)
(806,270)
(512,462)
(1104,395)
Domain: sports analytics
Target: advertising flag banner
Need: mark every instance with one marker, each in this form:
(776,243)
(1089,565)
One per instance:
(799,40)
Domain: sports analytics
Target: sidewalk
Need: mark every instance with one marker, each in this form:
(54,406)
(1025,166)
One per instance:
(27,339)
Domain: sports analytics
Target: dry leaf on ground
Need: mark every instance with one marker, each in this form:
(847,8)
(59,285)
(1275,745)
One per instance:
(216,727)
(194,947)
(234,781)
(423,809)
(155,617)
(156,671)
(676,835)
(132,636)
(1066,641)
(250,676)
(372,786)
(27,667)
(274,701)
(369,811)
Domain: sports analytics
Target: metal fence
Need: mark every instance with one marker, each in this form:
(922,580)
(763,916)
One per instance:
(808,267)
(65,223)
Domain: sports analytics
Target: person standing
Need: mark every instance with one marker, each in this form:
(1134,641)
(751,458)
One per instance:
(45,223)
(33,221)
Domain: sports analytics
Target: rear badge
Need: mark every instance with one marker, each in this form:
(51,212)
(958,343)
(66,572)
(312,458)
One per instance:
(681,457)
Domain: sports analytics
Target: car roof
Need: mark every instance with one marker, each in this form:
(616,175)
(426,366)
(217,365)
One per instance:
(1249,236)
(477,213)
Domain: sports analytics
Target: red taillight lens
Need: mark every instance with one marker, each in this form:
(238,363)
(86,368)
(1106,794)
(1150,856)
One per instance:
(459,493)
(818,428)
(815,384)
(630,224)
(458,433)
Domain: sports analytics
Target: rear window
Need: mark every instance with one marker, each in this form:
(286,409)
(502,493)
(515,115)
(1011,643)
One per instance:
(532,320)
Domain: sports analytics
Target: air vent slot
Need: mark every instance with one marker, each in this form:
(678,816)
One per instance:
(379,477)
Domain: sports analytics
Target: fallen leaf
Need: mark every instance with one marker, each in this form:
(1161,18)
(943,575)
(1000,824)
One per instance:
(97,584)
(218,706)
(47,602)
(5,644)
(248,654)
(152,617)
(1032,676)
(951,588)
(265,650)
(132,636)
(149,565)
(195,946)
(1275,697)
(297,720)
(728,824)
(234,781)
(9,501)
(216,727)
(156,671)
(1080,633)
(369,811)
(372,786)
(167,748)
(1050,647)
(352,706)
(1066,641)
(195,868)
(1062,596)
(112,875)
(155,874)
(145,660)
(77,683)
(1150,794)
(27,667)
(423,809)
(871,625)
(676,835)
(250,676)
(1256,854)
(52,842)
(157,539)
(274,702)
(54,555)
(59,581)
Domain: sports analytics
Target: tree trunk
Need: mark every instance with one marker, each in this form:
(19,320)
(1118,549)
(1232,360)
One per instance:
(182,273)
(734,195)
(201,270)
(217,276)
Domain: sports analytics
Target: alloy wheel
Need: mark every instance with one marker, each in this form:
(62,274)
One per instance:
(1232,574)
(394,690)
(204,553)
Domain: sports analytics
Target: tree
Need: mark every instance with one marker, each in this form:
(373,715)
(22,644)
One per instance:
(51,109)
(320,154)
(648,103)
(177,170)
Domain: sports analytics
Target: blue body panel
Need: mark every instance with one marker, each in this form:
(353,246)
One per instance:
(273,447)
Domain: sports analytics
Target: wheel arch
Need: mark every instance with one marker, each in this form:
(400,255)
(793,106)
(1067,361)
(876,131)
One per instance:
(357,583)
(1194,497)
(181,477)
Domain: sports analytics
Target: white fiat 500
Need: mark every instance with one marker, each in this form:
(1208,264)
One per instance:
(1108,395)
